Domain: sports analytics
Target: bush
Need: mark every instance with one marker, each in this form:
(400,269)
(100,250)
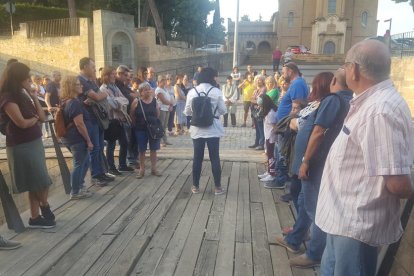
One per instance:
(28,12)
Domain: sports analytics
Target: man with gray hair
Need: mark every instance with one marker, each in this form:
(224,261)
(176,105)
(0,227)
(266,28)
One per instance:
(367,170)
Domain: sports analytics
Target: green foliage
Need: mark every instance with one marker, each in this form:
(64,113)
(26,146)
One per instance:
(245,18)
(28,12)
(401,1)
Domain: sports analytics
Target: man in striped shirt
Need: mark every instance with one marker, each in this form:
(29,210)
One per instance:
(367,170)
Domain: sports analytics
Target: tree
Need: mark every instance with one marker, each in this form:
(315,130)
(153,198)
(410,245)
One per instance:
(245,18)
(72,8)
(401,1)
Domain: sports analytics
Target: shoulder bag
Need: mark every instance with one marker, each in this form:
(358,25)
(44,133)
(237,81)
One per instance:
(153,125)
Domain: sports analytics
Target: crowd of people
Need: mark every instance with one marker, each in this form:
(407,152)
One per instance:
(344,147)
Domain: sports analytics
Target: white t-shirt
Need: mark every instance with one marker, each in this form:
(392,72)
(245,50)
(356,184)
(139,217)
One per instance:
(269,121)
(167,96)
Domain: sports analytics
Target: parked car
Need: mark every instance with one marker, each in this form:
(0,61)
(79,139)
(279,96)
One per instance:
(211,48)
(300,50)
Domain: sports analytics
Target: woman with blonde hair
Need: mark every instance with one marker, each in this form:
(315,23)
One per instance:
(77,139)
(21,115)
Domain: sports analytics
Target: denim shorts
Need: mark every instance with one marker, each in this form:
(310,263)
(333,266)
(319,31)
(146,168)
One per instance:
(143,139)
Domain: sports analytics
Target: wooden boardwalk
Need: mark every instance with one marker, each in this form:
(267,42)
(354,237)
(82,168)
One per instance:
(156,226)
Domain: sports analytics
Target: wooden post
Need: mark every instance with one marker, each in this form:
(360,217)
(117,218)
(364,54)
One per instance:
(64,170)
(13,219)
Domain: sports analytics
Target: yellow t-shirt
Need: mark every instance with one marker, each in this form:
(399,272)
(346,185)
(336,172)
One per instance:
(248,91)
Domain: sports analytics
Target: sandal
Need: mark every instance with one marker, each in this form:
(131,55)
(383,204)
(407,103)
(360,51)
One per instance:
(156,173)
(140,174)
(195,190)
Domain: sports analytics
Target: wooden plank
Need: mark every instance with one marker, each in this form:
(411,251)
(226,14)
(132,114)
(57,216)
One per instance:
(243,227)
(148,262)
(243,259)
(81,266)
(116,249)
(215,220)
(225,255)
(188,259)
(37,250)
(42,266)
(280,261)
(255,194)
(270,214)
(262,262)
(174,249)
(129,257)
(206,258)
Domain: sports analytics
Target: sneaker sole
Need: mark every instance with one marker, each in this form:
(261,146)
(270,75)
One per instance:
(10,248)
(41,226)
(287,247)
(275,187)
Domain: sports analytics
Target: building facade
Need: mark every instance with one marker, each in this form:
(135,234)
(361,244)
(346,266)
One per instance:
(326,26)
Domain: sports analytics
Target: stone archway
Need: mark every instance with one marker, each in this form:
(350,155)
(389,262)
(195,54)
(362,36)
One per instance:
(329,48)
(120,49)
(264,47)
(250,45)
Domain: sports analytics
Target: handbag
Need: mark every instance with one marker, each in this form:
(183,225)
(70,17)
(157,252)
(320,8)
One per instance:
(101,111)
(154,127)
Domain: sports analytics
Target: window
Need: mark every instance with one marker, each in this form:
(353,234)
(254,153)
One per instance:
(364,19)
(290,19)
(331,6)
(329,48)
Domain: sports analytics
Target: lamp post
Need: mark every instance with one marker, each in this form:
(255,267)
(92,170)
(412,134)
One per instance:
(236,37)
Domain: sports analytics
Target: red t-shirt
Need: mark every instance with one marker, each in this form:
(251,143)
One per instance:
(14,134)
(277,54)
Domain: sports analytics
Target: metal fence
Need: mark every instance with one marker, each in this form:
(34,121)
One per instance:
(53,28)
(402,44)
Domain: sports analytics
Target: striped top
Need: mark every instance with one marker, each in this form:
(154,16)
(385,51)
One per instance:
(376,140)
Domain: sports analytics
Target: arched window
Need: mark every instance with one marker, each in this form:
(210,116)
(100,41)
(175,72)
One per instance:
(364,19)
(329,48)
(290,19)
(331,6)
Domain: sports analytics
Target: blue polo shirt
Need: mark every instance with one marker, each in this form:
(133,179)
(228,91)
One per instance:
(298,90)
(326,116)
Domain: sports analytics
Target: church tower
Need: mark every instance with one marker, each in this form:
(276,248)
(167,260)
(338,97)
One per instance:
(326,26)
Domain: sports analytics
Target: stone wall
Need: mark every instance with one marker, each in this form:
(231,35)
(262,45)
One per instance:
(49,53)
(402,74)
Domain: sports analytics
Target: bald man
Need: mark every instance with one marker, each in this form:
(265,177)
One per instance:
(312,145)
(367,170)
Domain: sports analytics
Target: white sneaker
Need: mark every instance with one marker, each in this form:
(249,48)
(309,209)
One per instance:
(263,175)
(268,178)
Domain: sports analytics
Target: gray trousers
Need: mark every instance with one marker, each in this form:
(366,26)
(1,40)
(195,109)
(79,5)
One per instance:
(164,115)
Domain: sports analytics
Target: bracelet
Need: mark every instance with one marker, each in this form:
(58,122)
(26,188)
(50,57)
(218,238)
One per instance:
(305,161)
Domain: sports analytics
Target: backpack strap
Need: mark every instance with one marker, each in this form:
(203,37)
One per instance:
(196,91)
(215,110)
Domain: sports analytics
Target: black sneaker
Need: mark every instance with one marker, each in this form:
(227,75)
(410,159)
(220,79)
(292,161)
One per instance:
(115,172)
(252,146)
(126,169)
(47,213)
(41,222)
(99,181)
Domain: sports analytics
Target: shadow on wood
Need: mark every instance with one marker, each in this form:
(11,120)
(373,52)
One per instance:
(14,221)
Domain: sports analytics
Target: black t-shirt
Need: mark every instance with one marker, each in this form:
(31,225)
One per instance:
(53,90)
(150,112)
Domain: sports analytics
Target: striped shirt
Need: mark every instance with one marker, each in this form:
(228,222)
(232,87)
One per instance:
(376,140)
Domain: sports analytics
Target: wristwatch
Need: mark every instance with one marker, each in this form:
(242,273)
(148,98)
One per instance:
(305,161)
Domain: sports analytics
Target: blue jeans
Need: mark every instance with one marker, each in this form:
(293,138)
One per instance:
(317,242)
(123,149)
(260,139)
(80,161)
(295,188)
(213,145)
(301,226)
(96,135)
(345,256)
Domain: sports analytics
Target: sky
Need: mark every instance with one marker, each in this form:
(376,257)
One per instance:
(402,14)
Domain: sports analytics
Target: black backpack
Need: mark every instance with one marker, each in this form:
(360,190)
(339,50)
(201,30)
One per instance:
(203,115)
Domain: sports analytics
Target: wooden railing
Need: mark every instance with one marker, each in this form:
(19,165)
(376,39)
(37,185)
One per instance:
(53,28)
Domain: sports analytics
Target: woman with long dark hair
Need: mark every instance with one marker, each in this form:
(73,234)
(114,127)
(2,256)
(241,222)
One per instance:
(22,115)
(209,135)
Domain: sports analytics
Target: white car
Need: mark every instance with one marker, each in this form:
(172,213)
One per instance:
(211,48)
